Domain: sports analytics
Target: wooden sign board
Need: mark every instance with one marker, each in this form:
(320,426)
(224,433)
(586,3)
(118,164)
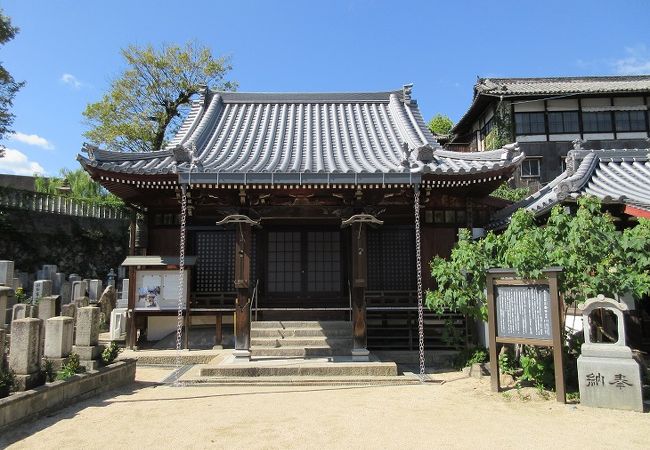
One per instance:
(525,312)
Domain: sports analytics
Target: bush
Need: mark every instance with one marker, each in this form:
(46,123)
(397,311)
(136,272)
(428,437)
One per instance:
(110,353)
(7,382)
(71,367)
(48,369)
(469,356)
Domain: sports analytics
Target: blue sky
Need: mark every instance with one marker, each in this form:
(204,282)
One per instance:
(68,51)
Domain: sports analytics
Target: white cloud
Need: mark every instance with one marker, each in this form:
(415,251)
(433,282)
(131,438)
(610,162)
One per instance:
(17,163)
(635,62)
(32,139)
(71,80)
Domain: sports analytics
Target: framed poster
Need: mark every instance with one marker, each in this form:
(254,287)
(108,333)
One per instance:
(157,290)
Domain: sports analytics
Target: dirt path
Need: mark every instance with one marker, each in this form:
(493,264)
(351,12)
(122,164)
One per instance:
(458,414)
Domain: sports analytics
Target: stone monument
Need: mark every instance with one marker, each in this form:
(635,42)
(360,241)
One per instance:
(7,273)
(95,288)
(42,288)
(58,339)
(49,307)
(608,375)
(87,337)
(5,293)
(24,353)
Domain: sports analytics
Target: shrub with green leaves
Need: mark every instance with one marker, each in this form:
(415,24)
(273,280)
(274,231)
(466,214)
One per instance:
(110,353)
(595,258)
(71,367)
(7,381)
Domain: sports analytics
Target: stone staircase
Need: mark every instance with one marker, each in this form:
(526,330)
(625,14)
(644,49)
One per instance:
(302,339)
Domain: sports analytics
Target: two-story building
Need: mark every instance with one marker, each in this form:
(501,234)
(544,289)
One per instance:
(546,114)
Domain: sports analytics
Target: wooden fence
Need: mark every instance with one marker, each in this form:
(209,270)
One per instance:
(59,204)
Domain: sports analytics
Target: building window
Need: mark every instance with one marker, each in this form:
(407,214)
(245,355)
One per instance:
(563,122)
(530,123)
(487,128)
(530,168)
(630,120)
(597,122)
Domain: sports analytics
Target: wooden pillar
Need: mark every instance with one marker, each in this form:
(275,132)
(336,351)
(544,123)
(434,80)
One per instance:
(242,286)
(130,316)
(359,283)
(218,337)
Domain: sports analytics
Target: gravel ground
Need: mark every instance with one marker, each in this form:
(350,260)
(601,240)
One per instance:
(461,413)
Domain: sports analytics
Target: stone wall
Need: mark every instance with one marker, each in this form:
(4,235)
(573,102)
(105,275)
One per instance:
(28,405)
(87,246)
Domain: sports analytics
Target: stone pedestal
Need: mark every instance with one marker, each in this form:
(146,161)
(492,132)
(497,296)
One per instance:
(360,354)
(24,355)
(7,273)
(87,337)
(608,375)
(49,307)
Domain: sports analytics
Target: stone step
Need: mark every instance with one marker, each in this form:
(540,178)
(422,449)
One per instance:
(303,369)
(301,342)
(291,324)
(300,332)
(303,352)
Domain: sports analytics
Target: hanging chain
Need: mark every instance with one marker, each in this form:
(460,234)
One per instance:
(181,283)
(418,260)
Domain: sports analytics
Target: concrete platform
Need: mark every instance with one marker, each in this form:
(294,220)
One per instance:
(228,366)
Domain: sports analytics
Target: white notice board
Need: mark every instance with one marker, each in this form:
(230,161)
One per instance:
(157,290)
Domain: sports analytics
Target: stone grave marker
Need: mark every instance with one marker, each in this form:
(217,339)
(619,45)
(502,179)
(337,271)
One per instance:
(40,274)
(66,292)
(5,293)
(57,282)
(74,277)
(24,352)
(59,333)
(7,273)
(69,310)
(49,307)
(24,311)
(95,288)
(87,336)
(608,375)
(42,288)
(49,270)
(80,302)
(123,301)
(107,302)
(79,289)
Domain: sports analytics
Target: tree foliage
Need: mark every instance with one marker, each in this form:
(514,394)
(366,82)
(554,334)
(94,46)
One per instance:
(595,257)
(8,85)
(82,187)
(144,105)
(506,192)
(440,125)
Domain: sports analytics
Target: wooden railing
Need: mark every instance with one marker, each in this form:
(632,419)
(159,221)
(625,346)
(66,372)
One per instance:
(59,204)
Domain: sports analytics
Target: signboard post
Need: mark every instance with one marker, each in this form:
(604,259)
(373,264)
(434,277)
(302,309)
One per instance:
(525,312)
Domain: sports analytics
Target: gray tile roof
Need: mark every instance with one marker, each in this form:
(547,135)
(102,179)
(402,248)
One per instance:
(488,89)
(614,176)
(562,85)
(303,138)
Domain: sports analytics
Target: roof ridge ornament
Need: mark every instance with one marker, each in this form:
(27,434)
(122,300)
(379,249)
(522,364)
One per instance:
(407,89)
(578,144)
(90,150)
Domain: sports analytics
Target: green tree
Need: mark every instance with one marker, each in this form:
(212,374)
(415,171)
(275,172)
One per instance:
(595,257)
(440,125)
(8,86)
(144,105)
(82,187)
(506,192)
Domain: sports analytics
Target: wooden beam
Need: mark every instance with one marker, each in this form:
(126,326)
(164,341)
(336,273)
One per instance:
(359,284)
(243,249)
